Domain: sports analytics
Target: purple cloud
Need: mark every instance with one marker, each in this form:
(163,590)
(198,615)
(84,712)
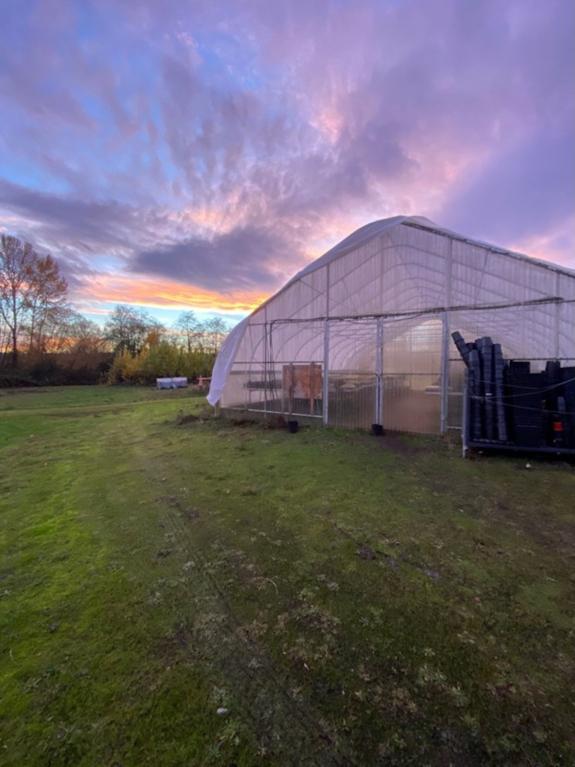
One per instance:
(211,143)
(538,172)
(242,259)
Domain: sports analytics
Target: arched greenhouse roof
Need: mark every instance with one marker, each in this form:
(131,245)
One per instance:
(407,271)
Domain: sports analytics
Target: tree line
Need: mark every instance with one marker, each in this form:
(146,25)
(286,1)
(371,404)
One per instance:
(44,340)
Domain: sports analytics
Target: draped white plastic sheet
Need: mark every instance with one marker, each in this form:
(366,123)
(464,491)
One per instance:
(375,314)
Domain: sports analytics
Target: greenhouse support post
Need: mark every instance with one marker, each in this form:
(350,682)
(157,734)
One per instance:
(465,416)
(265,377)
(557,314)
(444,371)
(325,382)
(445,342)
(379,372)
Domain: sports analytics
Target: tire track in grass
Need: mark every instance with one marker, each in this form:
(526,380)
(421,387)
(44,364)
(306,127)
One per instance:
(289,729)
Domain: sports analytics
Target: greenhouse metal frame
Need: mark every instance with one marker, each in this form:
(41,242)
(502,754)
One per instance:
(362,335)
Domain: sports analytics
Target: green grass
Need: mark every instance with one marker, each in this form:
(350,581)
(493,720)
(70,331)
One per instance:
(152,572)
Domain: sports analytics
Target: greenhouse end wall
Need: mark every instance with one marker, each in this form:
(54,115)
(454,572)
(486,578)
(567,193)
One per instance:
(363,336)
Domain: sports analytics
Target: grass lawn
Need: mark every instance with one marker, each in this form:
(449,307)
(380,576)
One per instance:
(347,600)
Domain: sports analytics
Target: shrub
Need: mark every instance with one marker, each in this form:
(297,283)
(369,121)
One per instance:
(159,360)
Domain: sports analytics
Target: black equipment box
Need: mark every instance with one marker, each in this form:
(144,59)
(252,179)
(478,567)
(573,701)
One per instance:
(508,407)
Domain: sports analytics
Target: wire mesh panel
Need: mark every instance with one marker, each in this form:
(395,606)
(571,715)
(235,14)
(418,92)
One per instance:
(352,373)
(259,389)
(412,376)
(565,316)
(288,389)
(298,388)
(455,393)
(247,388)
(352,396)
(295,362)
(235,392)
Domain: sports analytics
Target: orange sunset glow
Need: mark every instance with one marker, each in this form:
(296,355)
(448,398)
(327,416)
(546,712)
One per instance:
(161,294)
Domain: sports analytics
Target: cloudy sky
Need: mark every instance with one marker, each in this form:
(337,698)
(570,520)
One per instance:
(177,154)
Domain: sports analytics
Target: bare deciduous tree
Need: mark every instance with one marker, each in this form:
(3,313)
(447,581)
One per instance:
(190,328)
(16,267)
(215,330)
(31,291)
(45,301)
(200,335)
(128,329)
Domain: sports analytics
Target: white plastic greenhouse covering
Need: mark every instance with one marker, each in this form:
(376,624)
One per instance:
(362,335)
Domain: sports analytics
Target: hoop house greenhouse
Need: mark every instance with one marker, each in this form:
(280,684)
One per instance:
(362,334)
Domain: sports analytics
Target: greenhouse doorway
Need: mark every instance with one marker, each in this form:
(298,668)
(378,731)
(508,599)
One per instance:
(386,371)
(412,376)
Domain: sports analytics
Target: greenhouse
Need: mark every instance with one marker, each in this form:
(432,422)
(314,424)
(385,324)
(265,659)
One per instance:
(362,335)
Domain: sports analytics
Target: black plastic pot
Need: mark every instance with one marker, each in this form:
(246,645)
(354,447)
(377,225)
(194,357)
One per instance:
(377,430)
(293,426)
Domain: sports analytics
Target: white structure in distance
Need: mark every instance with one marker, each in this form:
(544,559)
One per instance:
(179,382)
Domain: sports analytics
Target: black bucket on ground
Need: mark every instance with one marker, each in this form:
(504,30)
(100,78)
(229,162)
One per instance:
(293,427)
(377,430)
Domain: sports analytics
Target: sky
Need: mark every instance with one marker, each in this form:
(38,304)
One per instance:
(182,155)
